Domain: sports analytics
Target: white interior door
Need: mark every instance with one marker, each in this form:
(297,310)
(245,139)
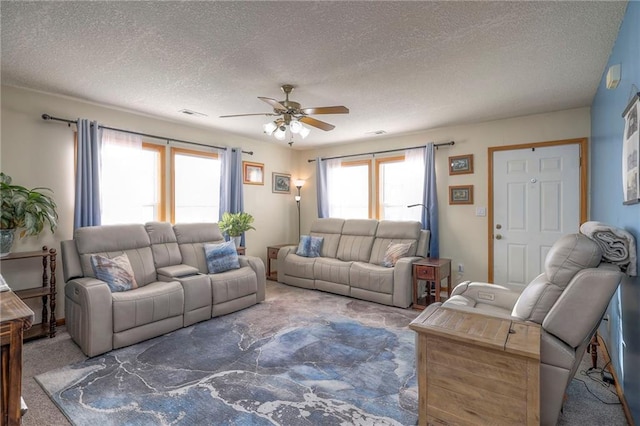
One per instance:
(536,200)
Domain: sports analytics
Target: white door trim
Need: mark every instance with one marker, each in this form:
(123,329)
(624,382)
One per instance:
(581,142)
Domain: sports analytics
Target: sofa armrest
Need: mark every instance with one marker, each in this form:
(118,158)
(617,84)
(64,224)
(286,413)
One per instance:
(258,267)
(282,255)
(170,273)
(403,281)
(89,314)
(500,295)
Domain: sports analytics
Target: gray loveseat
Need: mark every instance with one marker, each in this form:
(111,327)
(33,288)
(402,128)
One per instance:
(174,287)
(350,260)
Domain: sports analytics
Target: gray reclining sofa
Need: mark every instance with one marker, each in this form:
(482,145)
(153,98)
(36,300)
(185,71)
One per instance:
(174,287)
(351,257)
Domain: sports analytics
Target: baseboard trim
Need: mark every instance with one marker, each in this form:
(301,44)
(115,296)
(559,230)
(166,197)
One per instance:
(619,391)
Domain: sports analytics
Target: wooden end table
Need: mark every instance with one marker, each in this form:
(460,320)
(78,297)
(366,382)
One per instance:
(432,270)
(272,254)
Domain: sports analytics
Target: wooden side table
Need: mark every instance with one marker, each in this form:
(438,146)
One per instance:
(15,318)
(476,369)
(432,270)
(272,254)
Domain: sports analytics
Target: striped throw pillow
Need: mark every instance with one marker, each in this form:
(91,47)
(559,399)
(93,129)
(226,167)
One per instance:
(116,272)
(394,252)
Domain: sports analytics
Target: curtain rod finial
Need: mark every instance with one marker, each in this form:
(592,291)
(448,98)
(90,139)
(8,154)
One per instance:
(46,117)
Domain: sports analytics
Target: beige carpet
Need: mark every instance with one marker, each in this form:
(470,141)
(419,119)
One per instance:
(581,408)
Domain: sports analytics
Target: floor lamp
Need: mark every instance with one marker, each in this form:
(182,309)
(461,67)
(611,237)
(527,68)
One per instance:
(299,184)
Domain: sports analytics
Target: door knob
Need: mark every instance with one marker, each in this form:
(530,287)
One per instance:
(498,237)
(498,226)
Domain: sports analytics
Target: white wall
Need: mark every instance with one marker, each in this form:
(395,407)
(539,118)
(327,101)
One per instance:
(39,153)
(35,153)
(463,235)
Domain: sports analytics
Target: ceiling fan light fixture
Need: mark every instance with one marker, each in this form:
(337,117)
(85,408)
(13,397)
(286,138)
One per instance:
(304,131)
(295,127)
(269,128)
(280,134)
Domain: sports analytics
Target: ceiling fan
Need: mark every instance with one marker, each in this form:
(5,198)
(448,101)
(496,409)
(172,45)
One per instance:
(291,114)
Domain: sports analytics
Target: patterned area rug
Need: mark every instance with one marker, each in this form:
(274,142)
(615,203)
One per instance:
(299,358)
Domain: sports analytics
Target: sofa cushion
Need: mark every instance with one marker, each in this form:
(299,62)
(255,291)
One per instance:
(191,239)
(233,284)
(116,272)
(113,240)
(298,266)
(154,302)
(309,246)
(330,230)
(332,270)
(392,231)
(357,239)
(164,244)
(394,252)
(370,277)
(221,257)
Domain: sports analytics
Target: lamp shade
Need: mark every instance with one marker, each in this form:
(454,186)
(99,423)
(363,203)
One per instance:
(304,131)
(280,134)
(269,128)
(295,127)
(299,183)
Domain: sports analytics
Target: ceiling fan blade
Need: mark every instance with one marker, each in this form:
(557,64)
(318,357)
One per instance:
(245,115)
(275,104)
(338,109)
(317,123)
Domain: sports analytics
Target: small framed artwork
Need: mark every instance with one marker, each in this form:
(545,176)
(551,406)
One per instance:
(461,164)
(252,173)
(631,153)
(461,194)
(281,183)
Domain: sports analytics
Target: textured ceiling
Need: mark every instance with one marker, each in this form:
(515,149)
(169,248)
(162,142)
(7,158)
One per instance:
(400,67)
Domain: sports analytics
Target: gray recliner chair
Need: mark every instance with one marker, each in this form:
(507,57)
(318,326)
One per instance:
(568,300)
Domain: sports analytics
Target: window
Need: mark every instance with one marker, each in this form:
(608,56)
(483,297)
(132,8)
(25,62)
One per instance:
(195,183)
(348,186)
(399,184)
(131,187)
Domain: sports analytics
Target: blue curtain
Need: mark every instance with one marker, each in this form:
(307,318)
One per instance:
(87,194)
(321,188)
(231,197)
(430,199)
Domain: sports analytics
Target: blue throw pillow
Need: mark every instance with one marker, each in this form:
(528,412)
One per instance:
(309,246)
(116,272)
(221,257)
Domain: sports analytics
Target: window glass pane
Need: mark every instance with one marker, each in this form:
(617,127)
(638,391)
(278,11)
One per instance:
(129,185)
(399,188)
(348,191)
(196,188)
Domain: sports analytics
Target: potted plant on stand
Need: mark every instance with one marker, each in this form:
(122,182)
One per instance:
(234,224)
(26,209)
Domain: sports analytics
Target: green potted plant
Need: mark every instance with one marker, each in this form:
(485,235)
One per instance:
(26,209)
(234,224)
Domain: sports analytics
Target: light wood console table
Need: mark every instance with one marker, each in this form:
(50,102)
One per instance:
(475,369)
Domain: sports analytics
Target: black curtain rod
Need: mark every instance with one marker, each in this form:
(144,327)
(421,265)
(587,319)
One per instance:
(70,122)
(380,152)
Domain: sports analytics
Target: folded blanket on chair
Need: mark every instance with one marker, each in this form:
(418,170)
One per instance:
(618,246)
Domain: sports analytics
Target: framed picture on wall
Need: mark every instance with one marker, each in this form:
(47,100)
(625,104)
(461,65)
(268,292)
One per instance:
(281,183)
(461,194)
(461,164)
(252,173)
(631,152)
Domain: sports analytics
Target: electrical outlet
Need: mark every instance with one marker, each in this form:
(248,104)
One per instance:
(460,268)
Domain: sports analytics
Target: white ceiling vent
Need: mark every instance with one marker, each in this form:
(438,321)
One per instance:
(377,132)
